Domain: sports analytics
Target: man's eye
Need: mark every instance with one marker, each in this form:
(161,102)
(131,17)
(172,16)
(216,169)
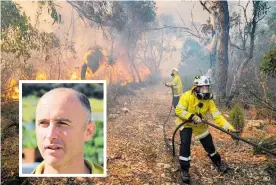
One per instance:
(62,123)
(43,123)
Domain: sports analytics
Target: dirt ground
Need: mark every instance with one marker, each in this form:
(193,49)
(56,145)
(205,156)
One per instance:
(137,153)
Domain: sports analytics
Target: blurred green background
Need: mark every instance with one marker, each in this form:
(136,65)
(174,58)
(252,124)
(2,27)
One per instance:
(94,148)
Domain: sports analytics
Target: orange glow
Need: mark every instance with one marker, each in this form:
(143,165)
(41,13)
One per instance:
(40,76)
(118,73)
(13,90)
(75,76)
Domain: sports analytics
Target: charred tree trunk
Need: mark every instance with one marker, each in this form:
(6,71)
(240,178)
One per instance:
(248,56)
(131,59)
(222,58)
(213,53)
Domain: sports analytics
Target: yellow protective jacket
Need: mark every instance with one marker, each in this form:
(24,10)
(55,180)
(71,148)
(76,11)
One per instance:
(188,105)
(177,85)
(93,167)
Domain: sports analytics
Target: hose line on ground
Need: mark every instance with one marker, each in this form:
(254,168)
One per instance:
(225,131)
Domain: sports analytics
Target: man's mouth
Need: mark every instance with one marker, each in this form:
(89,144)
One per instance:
(53,147)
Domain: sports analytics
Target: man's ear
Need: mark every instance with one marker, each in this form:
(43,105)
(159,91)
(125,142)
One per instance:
(89,131)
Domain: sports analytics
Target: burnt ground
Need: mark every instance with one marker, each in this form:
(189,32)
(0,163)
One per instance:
(137,153)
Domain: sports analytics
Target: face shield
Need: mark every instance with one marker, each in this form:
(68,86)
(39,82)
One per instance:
(204,89)
(203,92)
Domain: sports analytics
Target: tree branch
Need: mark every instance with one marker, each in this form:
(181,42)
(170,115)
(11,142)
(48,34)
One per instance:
(205,7)
(269,106)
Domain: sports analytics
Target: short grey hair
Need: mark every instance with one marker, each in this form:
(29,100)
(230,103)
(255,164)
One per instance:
(84,101)
(86,105)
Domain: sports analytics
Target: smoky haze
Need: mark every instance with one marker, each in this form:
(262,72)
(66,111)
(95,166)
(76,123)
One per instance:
(84,36)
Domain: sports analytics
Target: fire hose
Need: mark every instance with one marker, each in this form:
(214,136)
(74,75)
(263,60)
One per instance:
(232,134)
(227,132)
(166,140)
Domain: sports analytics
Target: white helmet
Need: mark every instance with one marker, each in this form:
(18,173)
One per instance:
(201,81)
(175,69)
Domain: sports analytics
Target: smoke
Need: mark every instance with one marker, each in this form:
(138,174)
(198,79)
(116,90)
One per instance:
(84,36)
(72,28)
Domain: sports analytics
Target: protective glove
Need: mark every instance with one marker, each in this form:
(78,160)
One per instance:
(196,119)
(231,129)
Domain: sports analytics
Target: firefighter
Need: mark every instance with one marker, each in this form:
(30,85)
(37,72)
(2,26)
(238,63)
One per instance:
(177,86)
(193,106)
(92,60)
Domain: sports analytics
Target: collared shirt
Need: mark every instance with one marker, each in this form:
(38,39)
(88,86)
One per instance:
(93,168)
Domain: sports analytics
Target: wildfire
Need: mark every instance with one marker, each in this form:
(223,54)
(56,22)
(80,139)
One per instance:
(104,67)
(120,72)
(13,90)
(74,76)
(40,76)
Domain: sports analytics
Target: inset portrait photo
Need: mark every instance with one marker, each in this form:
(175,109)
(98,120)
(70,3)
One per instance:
(62,128)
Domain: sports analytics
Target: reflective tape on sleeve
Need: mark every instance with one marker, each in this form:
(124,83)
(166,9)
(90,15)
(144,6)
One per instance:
(184,114)
(216,114)
(226,125)
(181,107)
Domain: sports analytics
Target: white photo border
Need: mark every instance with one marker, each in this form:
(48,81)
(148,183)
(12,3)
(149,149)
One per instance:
(104,125)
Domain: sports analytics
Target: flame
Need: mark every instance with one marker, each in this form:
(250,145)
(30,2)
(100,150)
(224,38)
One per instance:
(121,72)
(40,76)
(13,90)
(75,76)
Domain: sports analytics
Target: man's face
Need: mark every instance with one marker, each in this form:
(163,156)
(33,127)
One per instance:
(60,128)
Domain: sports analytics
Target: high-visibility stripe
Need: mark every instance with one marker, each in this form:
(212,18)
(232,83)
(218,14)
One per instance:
(216,114)
(213,154)
(185,158)
(181,106)
(226,125)
(184,114)
(177,95)
(203,135)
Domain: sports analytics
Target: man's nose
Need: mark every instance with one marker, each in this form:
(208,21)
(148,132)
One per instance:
(52,132)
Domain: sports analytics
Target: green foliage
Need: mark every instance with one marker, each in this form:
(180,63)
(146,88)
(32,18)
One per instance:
(194,57)
(94,148)
(19,37)
(51,10)
(114,14)
(261,8)
(271,18)
(271,169)
(266,142)
(144,10)
(28,108)
(96,105)
(268,64)
(29,138)
(237,117)
(11,17)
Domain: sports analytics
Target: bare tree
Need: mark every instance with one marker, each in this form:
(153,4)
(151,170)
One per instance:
(219,24)
(246,32)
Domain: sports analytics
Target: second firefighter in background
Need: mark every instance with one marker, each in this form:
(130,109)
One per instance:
(176,84)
